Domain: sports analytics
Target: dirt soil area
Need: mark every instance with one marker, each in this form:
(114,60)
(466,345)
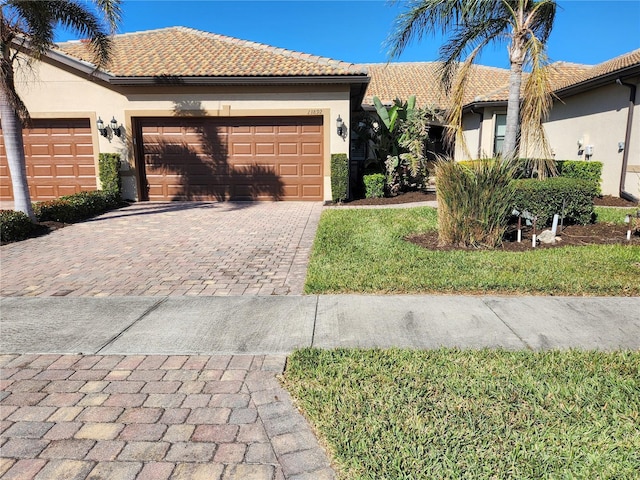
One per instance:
(576,235)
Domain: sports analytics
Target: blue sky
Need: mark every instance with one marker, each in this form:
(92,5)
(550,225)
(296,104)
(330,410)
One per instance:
(585,31)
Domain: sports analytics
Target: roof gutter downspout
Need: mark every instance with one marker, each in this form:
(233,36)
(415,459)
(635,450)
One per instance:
(627,139)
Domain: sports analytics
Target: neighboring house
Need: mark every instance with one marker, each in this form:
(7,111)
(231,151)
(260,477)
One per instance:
(199,116)
(592,116)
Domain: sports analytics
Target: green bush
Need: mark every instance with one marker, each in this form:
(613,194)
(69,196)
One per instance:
(544,198)
(109,165)
(76,207)
(15,226)
(474,202)
(590,171)
(339,176)
(374,185)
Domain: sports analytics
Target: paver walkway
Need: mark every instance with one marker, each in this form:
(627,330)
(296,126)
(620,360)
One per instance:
(152,417)
(160,249)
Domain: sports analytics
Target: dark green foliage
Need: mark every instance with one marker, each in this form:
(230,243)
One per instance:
(339,176)
(77,207)
(474,203)
(15,226)
(544,198)
(591,171)
(109,164)
(374,185)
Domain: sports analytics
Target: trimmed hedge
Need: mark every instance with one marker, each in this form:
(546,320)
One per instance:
(15,226)
(109,166)
(77,207)
(544,198)
(339,176)
(374,185)
(590,171)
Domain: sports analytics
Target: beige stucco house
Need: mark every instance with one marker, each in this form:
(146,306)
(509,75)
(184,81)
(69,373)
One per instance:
(595,114)
(196,116)
(199,116)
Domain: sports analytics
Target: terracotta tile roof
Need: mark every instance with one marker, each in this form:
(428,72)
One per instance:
(180,51)
(575,74)
(486,84)
(400,80)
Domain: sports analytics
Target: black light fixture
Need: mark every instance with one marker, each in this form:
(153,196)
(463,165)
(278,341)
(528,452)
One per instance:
(114,126)
(101,128)
(339,125)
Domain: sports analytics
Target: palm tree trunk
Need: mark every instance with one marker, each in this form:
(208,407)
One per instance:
(510,145)
(14,148)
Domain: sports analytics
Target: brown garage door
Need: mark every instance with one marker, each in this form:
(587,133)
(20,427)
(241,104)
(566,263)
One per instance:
(253,158)
(59,158)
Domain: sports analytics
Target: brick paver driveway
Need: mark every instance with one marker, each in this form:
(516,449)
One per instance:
(243,248)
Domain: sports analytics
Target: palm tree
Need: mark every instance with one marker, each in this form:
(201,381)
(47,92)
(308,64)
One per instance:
(27,30)
(470,25)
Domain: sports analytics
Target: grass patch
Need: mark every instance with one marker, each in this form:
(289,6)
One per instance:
(406,414)
(613,214)
(363,251)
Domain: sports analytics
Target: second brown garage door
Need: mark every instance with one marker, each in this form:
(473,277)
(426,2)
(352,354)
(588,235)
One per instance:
(59,158)
(256,158)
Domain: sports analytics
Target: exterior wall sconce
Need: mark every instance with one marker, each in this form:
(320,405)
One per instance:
(114,127)
(101,128)
(339,126)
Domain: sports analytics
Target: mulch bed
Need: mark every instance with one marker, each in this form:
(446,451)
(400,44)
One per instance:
(575,235)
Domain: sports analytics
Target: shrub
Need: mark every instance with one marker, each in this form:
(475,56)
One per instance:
(474,202)
(374,185)
(109,165)
(339,176)
(590,171)
(15,226)
(544,198)
(76,207)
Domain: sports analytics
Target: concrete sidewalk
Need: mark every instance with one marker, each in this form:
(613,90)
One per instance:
(277,325)
(185,387)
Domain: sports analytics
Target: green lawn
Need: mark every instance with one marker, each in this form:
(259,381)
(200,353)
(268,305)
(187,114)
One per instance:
(493,414)
(613,215)
(363,251)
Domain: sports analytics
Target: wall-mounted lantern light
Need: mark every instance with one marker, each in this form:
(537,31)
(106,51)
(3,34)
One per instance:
(114,126)
(339,125)
(101,128)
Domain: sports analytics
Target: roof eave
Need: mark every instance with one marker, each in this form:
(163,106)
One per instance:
(240,80)
(82,66)
(623,73)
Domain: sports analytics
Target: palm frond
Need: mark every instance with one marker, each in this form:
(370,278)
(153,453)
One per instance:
(453,132)
(536,105)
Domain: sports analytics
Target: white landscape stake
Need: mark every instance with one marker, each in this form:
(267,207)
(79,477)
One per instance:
(554,226)
(627,220)
(534,236)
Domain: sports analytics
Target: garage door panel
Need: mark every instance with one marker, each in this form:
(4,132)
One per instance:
(239,158)
(240,149)
(311,191)
(287,148)
(265,149)
(312,149)
(289,170)
(311,170)
(311,129)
